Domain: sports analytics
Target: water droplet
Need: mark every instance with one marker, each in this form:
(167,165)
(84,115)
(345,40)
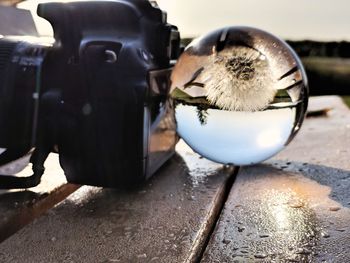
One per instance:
(295,204)
(325,234)
(235,103)
(142,255)
(241,228)
(192,198)
(334,208)
(340,230)
(260,255)
(109,231)
(226,241)
(264,235)
(303,251)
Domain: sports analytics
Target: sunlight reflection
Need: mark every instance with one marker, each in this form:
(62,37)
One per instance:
(281,214)
(269,138)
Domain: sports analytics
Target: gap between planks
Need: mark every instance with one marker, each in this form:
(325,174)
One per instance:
(204,234)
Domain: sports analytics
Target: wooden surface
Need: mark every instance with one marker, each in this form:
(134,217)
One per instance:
(166,220)
(20,207)
(293,208)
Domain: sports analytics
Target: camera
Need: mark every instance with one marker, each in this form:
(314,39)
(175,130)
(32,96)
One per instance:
(97,95)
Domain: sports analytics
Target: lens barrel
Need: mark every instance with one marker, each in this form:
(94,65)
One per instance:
(20,68)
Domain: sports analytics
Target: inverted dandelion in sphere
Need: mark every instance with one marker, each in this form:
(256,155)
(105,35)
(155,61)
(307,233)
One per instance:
(240,79)
(240,95)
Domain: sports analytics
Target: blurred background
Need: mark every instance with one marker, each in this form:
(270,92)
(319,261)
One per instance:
(318,30)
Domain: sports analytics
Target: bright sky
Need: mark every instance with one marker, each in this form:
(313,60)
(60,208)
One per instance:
(293,19)
(297,19)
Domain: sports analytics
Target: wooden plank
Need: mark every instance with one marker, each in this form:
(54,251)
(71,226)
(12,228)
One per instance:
(166,220)
(20,207)
(294,208)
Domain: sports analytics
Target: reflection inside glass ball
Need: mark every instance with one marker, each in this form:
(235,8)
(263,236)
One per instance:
(240,95)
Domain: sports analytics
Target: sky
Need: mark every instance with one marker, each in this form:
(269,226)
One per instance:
(297,20)
(323,20)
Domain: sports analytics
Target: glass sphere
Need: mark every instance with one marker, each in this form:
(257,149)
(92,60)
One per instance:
(240,95)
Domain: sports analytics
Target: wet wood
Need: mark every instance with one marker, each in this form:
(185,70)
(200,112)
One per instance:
(20,207)
(166,220)
(296,207)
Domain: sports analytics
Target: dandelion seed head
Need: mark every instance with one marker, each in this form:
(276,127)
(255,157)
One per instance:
(239,80)
(240,67)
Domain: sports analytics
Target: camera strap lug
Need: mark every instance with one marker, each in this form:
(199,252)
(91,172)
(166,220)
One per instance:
(111,56)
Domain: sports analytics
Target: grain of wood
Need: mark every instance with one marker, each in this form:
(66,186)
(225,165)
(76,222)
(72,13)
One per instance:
(20,207)
(295,207)
(166,220)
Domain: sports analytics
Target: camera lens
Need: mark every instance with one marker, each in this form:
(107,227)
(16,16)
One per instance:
(240,95)
(20,68)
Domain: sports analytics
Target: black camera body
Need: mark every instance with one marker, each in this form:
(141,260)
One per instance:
(98,95)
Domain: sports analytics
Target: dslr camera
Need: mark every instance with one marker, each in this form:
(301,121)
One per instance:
(97,95)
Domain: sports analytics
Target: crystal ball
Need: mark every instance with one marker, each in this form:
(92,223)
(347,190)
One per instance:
(240,95)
